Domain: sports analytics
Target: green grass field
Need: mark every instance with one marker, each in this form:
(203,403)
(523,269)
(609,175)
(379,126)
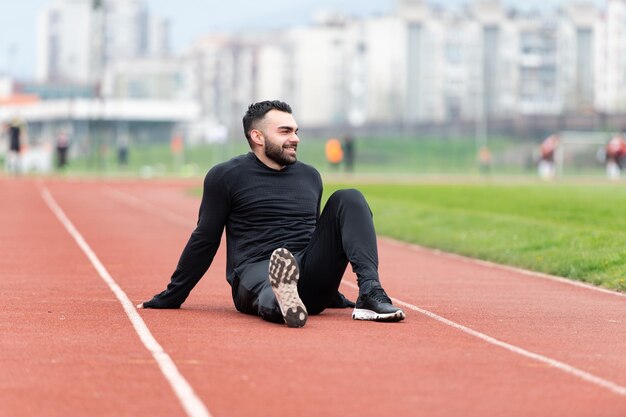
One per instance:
(374,155)
(570,230)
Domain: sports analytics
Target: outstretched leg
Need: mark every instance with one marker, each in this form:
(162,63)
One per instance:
(284,275)
(269,289)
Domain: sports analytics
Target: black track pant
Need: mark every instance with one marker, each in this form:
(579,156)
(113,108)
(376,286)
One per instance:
(344,233)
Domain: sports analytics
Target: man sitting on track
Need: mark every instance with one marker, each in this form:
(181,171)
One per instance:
(285,260)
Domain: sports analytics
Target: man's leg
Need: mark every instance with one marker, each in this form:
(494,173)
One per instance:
(345,233)
(253,294)
(269,289)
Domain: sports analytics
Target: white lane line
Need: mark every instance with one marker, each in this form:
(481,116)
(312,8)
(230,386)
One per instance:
(488,264)
(183,390)
(611,386)
(142,205)
(586,376)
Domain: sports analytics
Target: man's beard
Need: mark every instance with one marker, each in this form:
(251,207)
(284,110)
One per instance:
(275,153)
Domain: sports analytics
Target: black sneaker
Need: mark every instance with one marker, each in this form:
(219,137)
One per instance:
(375,305)
(284,275)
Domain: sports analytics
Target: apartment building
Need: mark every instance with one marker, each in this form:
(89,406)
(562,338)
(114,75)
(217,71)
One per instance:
(78,39)
(421,64)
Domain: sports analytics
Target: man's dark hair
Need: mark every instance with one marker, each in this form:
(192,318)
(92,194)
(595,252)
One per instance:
(257,111)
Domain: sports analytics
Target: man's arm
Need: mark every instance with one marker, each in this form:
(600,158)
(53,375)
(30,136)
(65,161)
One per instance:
(201,247)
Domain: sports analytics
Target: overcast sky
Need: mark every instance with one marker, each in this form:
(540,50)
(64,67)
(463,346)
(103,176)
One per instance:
(191,18)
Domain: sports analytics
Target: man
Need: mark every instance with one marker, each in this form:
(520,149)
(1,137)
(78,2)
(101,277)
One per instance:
(62,146)
(547,166)
(16,132)
(615,152)
(285,260)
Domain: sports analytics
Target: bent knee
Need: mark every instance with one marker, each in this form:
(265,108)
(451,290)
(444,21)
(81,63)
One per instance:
(348,195)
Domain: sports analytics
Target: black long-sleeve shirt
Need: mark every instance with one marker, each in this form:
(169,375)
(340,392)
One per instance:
(262,209)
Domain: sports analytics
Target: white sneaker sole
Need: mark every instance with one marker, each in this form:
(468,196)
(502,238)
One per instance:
(284,276)
(364,314)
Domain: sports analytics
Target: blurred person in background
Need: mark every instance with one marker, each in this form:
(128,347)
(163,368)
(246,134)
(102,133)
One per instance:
(122,150)
(285,257)
(349,152)
(62,146)
(615,154)
(17,136)
(484,160)
(334,152)
(547,166)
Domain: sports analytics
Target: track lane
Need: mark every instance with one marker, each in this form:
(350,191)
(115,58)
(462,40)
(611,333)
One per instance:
(223,323)
(189,400)
(65,346)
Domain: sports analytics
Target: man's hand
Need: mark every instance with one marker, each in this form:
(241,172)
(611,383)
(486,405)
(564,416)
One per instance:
(157,304)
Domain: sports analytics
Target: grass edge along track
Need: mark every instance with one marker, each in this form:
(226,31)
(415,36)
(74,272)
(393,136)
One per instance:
(565,229)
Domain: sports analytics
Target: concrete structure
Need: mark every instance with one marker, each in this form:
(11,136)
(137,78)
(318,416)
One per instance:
(66,37)
(610,85)
(94,122)
(422,65)
(541,84)
(78,39)
(317,61)
(147,78)
(579,64)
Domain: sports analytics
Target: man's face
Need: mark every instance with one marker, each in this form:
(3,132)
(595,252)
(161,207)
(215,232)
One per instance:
(279,130)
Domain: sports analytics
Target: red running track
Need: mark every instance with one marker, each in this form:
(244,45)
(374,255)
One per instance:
(479,340)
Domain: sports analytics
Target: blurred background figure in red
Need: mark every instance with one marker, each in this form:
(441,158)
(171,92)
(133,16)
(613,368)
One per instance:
(547,166)
(615,153)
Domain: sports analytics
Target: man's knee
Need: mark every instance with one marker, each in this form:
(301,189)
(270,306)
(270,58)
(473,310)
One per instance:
(349,198)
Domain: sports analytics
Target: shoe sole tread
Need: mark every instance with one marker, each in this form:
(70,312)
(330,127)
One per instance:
(284,276)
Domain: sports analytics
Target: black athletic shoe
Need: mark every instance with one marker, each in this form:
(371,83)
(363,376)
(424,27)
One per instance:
(375,305)
(284,275)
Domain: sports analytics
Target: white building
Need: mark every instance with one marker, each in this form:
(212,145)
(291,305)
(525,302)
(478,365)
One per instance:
(317,63)
(499,52)
(383,47)
(424,62)
(147,78)
(541,85)
(579,57)
(77,39)
(227,73)
(65,42)
(421,64)
(610,84)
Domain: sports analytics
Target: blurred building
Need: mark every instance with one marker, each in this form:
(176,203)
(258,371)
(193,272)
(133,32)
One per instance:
(6,87)
(422,64)
(611,59)
(327,71)
(473,66)
(226,73)
(579,57)
(539,52)
(78,39)
(65,42)
(145,79)
(105,74)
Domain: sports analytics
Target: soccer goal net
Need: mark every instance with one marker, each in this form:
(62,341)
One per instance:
(581,152)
